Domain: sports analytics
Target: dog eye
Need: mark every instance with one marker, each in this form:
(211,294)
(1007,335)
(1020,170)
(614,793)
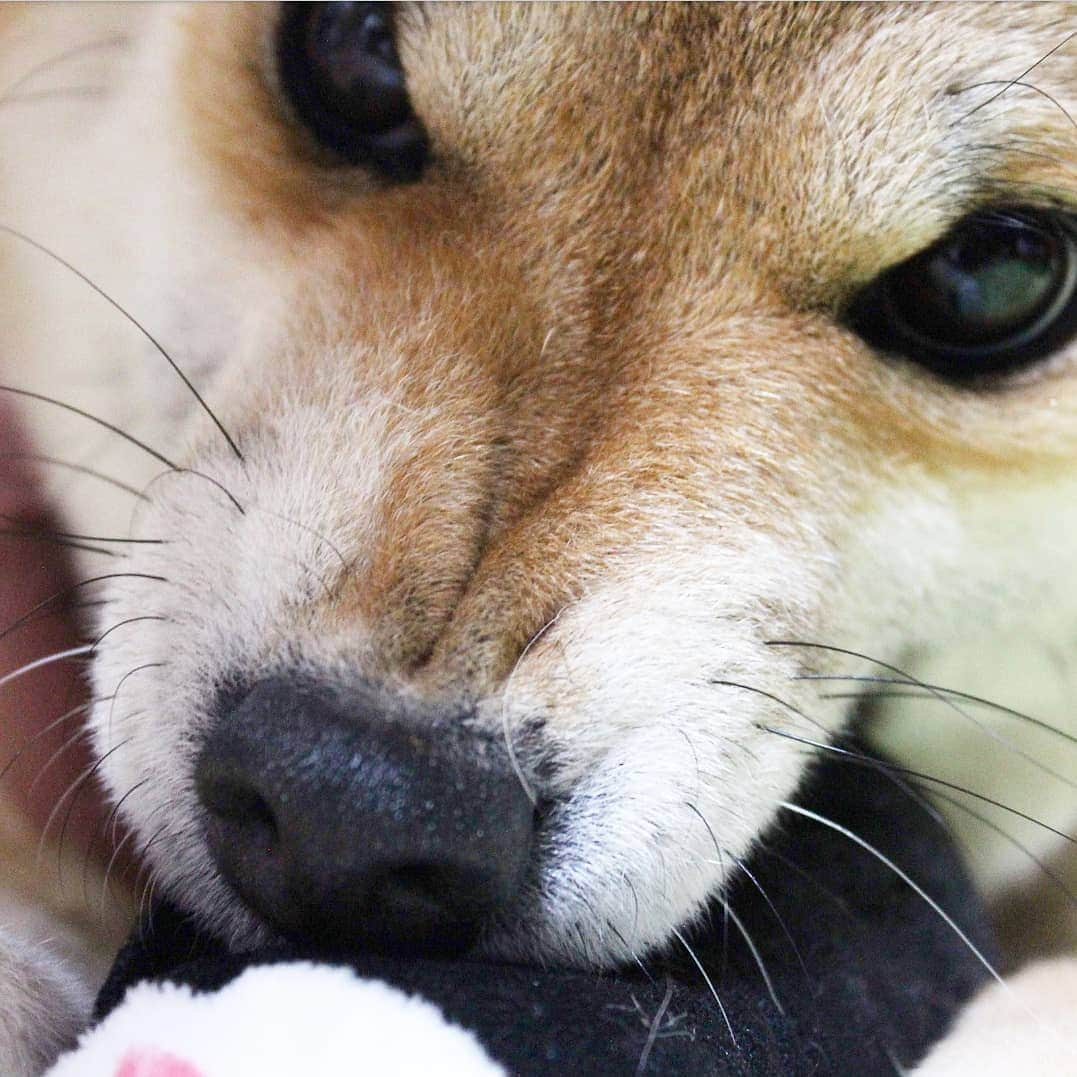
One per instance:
(341,73)
(992,296)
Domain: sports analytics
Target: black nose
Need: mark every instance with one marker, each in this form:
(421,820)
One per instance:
(346,825)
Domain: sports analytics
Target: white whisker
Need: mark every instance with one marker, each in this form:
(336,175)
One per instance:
(49,659)
(903,876)
(755,954)
(714,991)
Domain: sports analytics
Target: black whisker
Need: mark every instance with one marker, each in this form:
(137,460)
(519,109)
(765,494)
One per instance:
(345,564)
(154,878)
(1010,839)
(143,852)
(635,900)
(986,730)
(111,427)
(933,691)
(70,466)
(1021,84)
(46,602)
(212,481)
(62,611)
(882,764)
(46,533)
(44,731)
(714,841)
(145,872)
(912,681)
(725,879)
(74,788)
(86,773)
(101,830)
(14,232)
(774,699)
(122,682)
(107,880)
(71,806)
(126,621)
(55,540)
(1020,78)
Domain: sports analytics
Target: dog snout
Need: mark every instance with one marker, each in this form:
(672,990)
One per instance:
(347,826)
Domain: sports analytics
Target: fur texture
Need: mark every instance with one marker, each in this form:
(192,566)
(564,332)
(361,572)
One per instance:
(562,437)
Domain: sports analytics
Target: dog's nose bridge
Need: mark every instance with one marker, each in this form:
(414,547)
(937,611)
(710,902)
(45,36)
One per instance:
(522,449)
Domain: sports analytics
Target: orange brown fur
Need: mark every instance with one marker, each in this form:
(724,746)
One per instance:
(603,334)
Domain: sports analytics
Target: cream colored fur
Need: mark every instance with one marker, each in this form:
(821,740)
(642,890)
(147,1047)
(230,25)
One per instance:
(676,453)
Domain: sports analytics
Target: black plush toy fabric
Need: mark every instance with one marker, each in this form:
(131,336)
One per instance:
(866,973)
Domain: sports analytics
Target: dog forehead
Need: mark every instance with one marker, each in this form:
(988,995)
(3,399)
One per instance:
(814,143)
(819,143)
(607,68)
(648,109)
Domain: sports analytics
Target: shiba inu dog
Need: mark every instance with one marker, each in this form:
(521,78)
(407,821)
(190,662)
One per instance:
(527,406)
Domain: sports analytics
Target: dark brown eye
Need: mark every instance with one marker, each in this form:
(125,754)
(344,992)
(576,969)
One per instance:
(340,69)
(995,294)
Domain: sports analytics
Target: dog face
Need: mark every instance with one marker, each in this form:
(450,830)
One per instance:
(553,415)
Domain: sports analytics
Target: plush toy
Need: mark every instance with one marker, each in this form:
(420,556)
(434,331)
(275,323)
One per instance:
(824,961)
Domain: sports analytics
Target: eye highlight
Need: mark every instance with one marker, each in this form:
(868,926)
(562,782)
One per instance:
(340,70)
(995,294)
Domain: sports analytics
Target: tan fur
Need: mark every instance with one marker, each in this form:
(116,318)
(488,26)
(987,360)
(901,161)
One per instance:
(592,358)
(691,295)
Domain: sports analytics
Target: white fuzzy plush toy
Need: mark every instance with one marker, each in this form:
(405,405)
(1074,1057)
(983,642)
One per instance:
(281,1020)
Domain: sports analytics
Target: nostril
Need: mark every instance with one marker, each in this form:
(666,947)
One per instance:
(413,883)
(248,839)
(344,825)
(426,905)
(240,806)
(427,886)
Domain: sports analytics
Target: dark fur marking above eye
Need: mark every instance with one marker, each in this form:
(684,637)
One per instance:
(341,74)
(997,293)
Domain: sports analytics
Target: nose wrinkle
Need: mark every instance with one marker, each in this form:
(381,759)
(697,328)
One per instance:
(486,516)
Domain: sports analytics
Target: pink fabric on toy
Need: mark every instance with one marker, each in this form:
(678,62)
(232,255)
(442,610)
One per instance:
(142,1063)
